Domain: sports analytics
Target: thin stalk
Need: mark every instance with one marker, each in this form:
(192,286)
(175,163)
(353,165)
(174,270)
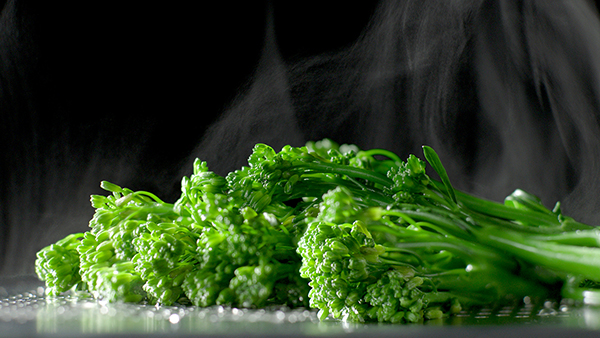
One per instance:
(464,249)
(347,170)
(486,220)
(393,262)
(588,238)
(562,258)
(500,210)
(382,152)
(452,226)
(411,221)
(310,186)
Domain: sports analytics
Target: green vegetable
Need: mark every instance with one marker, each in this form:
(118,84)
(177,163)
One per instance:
(400,264)
(58,265)
(357,235)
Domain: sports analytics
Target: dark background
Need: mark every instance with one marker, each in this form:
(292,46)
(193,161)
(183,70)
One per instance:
(123,92)
(163,71)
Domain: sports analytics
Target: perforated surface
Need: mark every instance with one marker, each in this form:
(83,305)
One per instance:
(28,312)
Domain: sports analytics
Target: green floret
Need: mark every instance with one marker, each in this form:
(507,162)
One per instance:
(118,282)
(401,296)
(58,265)
(295,173)
(242,255)
(241,262)
(165,255)
(110,260)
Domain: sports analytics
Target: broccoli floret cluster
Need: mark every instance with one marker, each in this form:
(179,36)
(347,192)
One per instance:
(58,265)
(207,248)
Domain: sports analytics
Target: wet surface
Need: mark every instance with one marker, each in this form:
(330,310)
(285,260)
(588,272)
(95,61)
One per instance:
(26,311)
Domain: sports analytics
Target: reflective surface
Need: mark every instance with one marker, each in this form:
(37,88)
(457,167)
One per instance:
(25,311)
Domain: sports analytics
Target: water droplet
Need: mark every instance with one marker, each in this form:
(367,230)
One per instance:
(547,312)
(60,310)
(174,318)
(292,318)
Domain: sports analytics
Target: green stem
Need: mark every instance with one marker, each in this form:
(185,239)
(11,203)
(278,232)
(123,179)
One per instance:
(562,258)
(500,210)
(347,170)
(433,159)
(316,187)
(151,195)
(382,152)
(411,221)
(399,214)
(439,199)
(589,238)
(464,249)
(449,223)
(393,262)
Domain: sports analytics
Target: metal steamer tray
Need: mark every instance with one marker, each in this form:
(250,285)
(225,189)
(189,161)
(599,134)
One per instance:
(25,311)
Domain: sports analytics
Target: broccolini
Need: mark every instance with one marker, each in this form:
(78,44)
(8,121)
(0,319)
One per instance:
(358,235)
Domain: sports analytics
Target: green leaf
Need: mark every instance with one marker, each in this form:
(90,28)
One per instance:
(434,160)
(110,187)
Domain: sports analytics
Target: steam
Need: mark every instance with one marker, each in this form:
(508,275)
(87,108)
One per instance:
(544,102)
(262,113)
(506,92)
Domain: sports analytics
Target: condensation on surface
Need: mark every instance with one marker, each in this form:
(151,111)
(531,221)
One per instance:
(32,313)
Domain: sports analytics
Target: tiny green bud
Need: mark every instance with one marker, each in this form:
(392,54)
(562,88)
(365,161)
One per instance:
(110,187)
(248,213)
(124,200)
(106,245)
(413,317)
(289,185)
(98,201)
(121,278)
(414,282)
(433,313)
(323,314)
(397,317)
(226,296)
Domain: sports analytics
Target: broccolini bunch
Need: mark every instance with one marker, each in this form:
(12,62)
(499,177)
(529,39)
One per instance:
(111,264)
(374,264)
(207,248)
(358,235)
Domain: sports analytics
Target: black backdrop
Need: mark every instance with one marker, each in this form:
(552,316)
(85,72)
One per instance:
(123,92)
